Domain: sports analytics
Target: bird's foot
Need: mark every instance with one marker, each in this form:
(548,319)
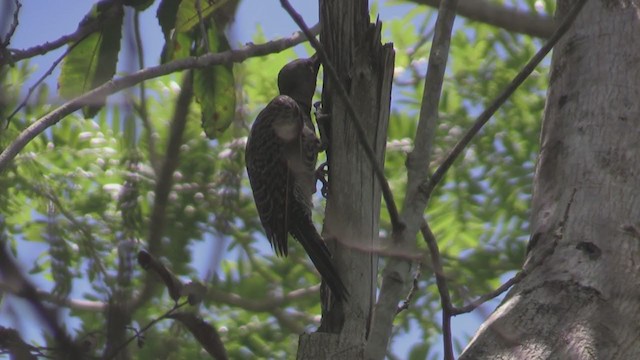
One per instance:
(322,174)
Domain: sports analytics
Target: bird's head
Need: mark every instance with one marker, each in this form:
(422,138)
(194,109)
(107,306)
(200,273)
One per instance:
(297,79)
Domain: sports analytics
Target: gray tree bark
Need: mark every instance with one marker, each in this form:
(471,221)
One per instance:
(581,299)
(365,67)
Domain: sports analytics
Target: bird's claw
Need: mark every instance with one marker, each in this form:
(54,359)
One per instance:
(322,174)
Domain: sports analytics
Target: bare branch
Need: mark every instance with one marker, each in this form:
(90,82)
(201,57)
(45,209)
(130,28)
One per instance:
(84,30)
(4,44)
(443,289)
(488,296)
(260,305)
(505,17)
(144,329)
(483,118)
(110,87)
(396,222)
(419,159)
(164,180)
(397,270)
(75,304)
(412,292)
(41,79)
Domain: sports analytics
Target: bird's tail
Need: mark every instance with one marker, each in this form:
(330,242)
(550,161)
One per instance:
(308,236)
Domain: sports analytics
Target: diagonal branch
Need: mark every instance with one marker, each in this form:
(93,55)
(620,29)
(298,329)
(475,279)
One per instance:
(84,29)
(443,289)
(12,28)
(397,271)
(113,86)
(41,79)
(488,296)
(260,305)
(394,215)
(483,118)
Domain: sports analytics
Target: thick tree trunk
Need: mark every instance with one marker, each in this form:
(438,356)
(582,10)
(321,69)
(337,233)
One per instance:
(581,299)
(365,67)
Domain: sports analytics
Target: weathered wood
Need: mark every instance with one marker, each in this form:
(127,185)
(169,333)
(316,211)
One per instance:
(365,67)
(581,299)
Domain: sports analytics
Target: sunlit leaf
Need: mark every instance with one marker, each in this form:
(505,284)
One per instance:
(188,17)
(214,88)
(92,61)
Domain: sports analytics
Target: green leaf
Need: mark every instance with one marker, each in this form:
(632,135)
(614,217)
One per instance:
(214,88)
(188,18)
(178,47)
(92,62)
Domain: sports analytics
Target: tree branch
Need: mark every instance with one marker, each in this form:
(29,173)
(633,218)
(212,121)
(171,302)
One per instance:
(484,117)
(443,289)
(397,270)
(110,87)
(164,180)
(501,16)
(41,79)
(12,28)
(84,29)
(75,304)
(260,305)
(488,296)
(396,222)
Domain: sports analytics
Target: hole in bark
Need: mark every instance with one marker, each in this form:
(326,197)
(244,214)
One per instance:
(590,249)
(562,101)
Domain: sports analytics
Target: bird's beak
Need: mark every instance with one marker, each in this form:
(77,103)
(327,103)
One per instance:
(316,62)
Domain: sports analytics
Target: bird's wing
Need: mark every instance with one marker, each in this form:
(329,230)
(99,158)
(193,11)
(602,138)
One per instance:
(267,166)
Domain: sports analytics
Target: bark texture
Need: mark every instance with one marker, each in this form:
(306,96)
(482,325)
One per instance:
(365,67)
(581,299)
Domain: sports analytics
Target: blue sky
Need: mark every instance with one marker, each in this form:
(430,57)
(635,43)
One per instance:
(42,21)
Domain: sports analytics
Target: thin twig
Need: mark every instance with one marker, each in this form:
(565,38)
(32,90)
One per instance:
(396,222)
(144,329)
(41,79)
(83,228)
(75,304)
(83,30)
(428,187)
(490,295)
(443,289)
(412,291)
(164,180)
(266,304)
(142,109)
(12,28)
(396,273)
(112,86)
(203,32)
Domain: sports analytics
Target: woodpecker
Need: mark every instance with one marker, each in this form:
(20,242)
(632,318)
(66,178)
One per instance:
(281,156)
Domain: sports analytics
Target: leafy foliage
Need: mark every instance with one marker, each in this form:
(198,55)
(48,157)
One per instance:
(83,191)
(92,61)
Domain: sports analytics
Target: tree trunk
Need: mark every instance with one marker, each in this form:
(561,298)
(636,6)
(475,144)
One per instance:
(365,67)
(581,298)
